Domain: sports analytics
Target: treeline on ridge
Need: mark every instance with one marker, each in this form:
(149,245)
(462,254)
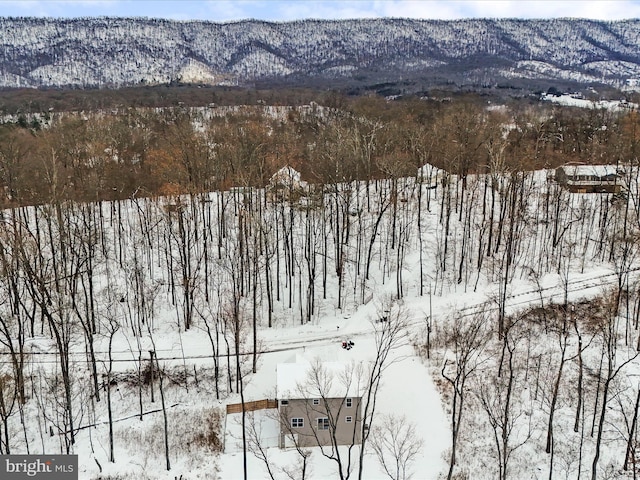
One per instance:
(142,151)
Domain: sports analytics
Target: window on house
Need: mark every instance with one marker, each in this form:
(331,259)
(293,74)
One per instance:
(297,423)
(284,403)
(349,402)
(323,423)
(348,419)
(316,401)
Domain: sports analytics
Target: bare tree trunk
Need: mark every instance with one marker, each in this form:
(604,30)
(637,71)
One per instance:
(164,415)
(554,397)
(580,374)
(113,328)
(632,430)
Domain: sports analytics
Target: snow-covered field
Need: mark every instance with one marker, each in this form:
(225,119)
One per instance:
(573,101)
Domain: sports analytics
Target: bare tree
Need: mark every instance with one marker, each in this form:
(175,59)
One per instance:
(51,286)
(390,333)
(111,327)
(256,445)
(8,400)
(396,446)
(161,375)
(613,367)
(501,405)
(466,341)
(331,388)
(630,452)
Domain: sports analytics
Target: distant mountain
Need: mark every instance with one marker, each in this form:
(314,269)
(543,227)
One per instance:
(114,52)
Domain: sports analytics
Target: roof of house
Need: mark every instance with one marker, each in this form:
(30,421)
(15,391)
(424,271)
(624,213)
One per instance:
(429,171)
(301,378)
(286,175)
(590,170)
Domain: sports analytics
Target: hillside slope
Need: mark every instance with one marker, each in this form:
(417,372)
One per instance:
(111,52)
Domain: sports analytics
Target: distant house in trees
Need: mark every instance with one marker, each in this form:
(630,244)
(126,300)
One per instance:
(430,175)
(318,404)
(589,178)
(286,184)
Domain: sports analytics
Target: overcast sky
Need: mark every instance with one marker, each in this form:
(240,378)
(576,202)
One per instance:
(274,10)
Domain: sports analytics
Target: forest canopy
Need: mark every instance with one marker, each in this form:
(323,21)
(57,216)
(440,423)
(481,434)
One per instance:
(117,150)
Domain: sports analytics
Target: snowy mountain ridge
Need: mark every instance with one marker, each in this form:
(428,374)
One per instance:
(113,52)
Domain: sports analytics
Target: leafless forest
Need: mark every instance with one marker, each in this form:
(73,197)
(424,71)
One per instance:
(131,224)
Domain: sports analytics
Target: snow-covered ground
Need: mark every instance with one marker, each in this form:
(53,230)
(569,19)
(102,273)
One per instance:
(141,243)
(573,101)
(407,390)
